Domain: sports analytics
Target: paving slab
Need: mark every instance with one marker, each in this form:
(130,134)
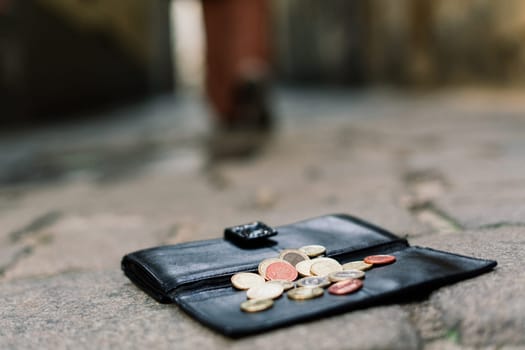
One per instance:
(85,243)
(486,310)
(81,310)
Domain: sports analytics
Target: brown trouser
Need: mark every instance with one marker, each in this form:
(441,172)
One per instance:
(237,36)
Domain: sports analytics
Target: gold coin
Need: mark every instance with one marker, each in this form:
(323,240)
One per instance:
(267,290)
(293,256)
(256,305)
(286,284)
(314,282)
(264,264)
(321,258)
(313,250)
(246,280)
(357,265)
(346,275)
(303,267)
(324,266)
(303,293)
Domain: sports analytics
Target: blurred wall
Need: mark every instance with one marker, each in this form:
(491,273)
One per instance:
(407,42)
(320,41)
(61,56)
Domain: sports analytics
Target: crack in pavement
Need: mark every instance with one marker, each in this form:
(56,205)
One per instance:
(428,213)
(19,255)
(28,238)
(423,187)
(35,226)
(501,224)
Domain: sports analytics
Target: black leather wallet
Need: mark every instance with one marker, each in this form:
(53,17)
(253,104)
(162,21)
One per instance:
(196,275)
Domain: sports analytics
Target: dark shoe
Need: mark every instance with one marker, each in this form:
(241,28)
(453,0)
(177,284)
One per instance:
(251,106)
(249,127)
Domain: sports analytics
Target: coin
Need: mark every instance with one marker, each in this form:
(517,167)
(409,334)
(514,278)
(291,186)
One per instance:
(246,280)
(357,265)
(379,259)
(265,291)
(321,258)
(303,267)
(286,284)
(324,266)
(313,250)
(303,293)
(345,275)
(313,282)
(256,305)
(264,264)
(281,270)
(293,256)
(345,287)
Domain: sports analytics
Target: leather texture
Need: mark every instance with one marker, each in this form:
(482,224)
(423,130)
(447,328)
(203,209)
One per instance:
(196,275)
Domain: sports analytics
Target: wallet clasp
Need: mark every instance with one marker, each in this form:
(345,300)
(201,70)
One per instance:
(254,232)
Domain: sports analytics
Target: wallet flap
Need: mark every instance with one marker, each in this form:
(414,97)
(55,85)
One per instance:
(160,271)
(416,272)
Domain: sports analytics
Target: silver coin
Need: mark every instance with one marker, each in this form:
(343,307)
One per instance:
(314,282)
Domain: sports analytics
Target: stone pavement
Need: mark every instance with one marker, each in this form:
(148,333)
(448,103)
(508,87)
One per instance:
(447,170)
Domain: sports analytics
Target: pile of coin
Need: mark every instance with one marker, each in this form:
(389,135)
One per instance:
(277,275)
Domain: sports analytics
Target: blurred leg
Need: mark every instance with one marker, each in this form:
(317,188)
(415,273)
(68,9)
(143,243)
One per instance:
(237,60)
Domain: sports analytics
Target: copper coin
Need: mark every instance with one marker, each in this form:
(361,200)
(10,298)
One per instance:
(379,259)
(264,264)
(345,287)
(281,270)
